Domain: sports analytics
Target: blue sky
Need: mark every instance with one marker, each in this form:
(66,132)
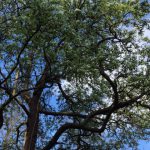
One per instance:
(144,145)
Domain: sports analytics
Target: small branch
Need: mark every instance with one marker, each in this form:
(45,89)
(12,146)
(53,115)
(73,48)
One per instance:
(22,106)
(1,118)
(19,55)
(113,84)
(18,131)
(64,94)
(12,96)
(144,105)
(70,114)
(105,39)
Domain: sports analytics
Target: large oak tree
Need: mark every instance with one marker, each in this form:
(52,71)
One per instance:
(74,74)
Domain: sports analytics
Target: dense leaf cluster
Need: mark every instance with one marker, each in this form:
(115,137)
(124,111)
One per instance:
(74,74)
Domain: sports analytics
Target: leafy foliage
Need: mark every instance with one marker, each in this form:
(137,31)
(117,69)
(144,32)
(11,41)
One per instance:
(74,74)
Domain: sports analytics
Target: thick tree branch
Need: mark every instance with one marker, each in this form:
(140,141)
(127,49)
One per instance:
(114,108)
(67,126)
(107,111)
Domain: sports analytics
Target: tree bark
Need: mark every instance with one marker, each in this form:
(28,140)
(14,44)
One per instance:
(33,118)
(32,126)
(1,118)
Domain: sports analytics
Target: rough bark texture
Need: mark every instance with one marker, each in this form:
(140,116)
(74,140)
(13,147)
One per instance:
(33,118)
(32,126)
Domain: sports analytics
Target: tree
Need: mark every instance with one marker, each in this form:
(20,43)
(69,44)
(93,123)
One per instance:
(74,74)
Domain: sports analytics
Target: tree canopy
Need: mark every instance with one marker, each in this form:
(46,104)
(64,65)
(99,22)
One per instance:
(74,74)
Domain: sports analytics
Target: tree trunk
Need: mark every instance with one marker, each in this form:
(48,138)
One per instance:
(33,118)
(32,126)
